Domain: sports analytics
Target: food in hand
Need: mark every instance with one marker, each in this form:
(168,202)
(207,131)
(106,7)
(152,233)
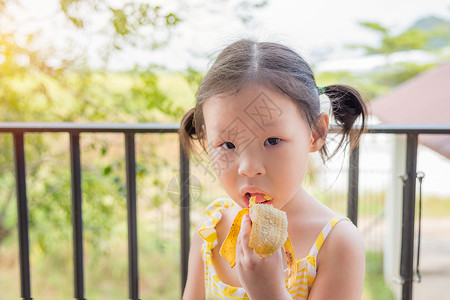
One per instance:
(268,234)
(269,229)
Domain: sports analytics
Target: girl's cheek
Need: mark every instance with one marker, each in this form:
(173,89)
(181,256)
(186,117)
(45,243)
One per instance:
(222,161)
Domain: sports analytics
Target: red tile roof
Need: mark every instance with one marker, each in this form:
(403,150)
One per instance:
(424,99)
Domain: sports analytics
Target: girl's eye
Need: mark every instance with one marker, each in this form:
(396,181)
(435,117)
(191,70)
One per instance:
(228,145)
(272,141)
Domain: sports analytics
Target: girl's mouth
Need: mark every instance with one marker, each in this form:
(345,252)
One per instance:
(259,198)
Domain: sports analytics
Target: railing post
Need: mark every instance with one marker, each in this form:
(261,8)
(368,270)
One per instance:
(409,205)
(77,216)
(353,185)
(133,274)
(184,215)
(22,215)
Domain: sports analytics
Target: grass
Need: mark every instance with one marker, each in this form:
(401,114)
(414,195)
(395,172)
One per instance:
(375,287)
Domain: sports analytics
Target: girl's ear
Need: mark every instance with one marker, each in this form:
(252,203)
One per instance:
(319,136)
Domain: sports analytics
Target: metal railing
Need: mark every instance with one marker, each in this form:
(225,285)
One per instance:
(74,130)
(129,130)
(409,192)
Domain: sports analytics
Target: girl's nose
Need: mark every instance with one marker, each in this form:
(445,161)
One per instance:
(250,165)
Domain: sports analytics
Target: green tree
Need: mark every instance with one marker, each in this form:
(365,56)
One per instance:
(427,34)
(430,35)
(411,39)
(46,76)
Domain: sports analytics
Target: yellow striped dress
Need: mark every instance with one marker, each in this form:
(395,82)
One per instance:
(216,289)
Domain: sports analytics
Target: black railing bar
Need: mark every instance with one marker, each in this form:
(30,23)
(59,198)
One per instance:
(353,185)
(410,128)
(77,217)
(403,128)
(184,215)
(22,216)
(133,274)
(173,127)
(89,127)
(409,206)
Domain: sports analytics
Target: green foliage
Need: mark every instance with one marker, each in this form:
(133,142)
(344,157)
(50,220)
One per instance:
(39,83)
(376,82)
(128,22)
(7,193)
(36,92)
(425,34)
(106,265)
(398,73)
(107,98)
(193,77)
(374,285)
(363,82)
(375,27)
(146,90)
(430,34)
(437,31)
(409,40)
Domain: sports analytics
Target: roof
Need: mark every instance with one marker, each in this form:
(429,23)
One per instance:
(424,99)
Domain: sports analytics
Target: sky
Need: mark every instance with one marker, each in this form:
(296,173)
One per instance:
(318,30)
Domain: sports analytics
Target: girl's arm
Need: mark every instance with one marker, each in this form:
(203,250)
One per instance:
(195,284)
(341,263)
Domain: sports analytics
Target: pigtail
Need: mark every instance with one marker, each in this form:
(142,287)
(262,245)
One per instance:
(347,105)
(191,131)
(187,131)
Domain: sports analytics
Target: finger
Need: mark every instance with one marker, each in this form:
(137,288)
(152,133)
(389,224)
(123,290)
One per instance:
(244,235)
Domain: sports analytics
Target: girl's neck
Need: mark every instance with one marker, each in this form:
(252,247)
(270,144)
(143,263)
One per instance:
(299,204)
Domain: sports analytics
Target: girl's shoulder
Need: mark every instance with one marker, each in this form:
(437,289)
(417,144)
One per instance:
(343,245)
(340,264)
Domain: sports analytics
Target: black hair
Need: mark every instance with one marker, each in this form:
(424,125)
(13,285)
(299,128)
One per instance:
(281,68)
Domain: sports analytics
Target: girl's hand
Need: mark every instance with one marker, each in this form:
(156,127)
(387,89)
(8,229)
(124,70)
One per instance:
(261,278)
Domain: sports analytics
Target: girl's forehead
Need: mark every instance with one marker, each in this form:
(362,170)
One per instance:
(251,98)
(256,104)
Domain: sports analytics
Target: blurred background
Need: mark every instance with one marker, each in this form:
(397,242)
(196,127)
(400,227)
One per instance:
(141,61)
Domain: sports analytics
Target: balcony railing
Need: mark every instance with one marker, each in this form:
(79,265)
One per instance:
(129,130)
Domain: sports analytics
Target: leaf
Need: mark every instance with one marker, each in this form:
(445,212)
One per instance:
(107,170)
(120,21)
(104,149)
(77,22)
(171,19)
(374,26)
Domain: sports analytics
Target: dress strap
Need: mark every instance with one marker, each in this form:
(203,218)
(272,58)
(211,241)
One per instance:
(324,233)
(214,212)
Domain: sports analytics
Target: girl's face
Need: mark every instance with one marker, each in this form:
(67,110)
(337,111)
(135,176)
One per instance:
(259,144)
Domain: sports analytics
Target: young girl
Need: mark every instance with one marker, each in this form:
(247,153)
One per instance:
(258,115)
